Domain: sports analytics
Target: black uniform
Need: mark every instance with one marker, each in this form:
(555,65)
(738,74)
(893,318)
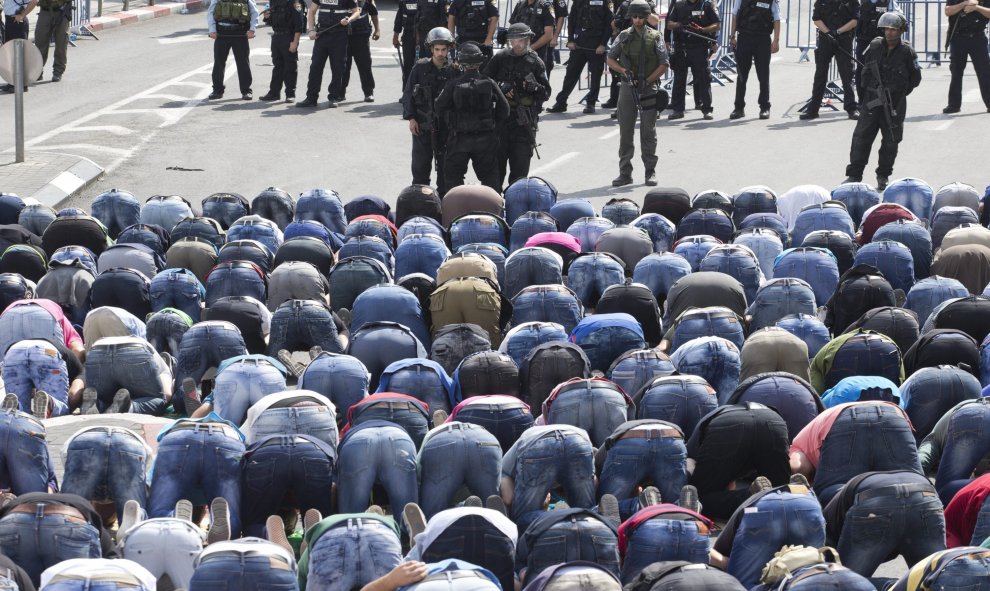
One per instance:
(430,14)
(330,44)
(287,20)
(867,30)
(471,21)
(474,106)
(560,11)
(692,53)
(834,14)
(900,74)
(621,22)
(537,15)
(968,39)
(359,49)
(525,77)
(754,28)
(588,27)
(405,28)
(419,96)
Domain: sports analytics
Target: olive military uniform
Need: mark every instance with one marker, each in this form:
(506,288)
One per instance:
(53,22)
(621,22)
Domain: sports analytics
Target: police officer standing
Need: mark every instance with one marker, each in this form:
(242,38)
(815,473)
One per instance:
(327,22)
(867,30)
(231,23)
(538,16)
(288,23)
(560,13)
(967,38)
(404,36)
(428,78)
(835,20)
(639,56)
(884,101)
(359,49)
(588,32)
(474,105)
(430,14)
(754,22)
(694,24)
(15,21)
(473,20)
(521,75)
(620,23)
(53,23)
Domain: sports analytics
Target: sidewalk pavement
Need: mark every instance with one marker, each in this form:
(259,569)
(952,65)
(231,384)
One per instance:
(48,177)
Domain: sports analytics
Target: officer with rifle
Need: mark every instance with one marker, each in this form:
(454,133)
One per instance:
(639,56)
(868,29)
(890,73)
(754,22)
(835,20)
(522,77)
(967,38)
(588,32)
(426,80)
(54,17)
(327,22)
(538,16)
(231,24)
(288,23)
(694,24)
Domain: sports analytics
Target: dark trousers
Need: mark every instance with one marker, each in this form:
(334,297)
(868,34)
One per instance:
(13,29)
(53,25)
(332,47)
(753,49)
(862,44)
(546,54)
(870,122)
(422,160)
(285,64)
(515,149)
(823,58)
(575,67)
(408,50)
(359,52)
(479,149)
(222,47)
(694,58)
(973,46)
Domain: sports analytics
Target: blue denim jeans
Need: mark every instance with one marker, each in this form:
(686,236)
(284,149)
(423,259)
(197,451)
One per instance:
(26,322)
(107,464)
(638,368)
(893,259)
(198,464)
(558,458)
(423,383)
(918,240)
(709,323)
(931,391)
(387,456)
(177,288)
(816,266)
(781,518)
(766,245)
(203,346)
(527,195)
(351,555)
(324,207)
(868,355)
(35,218)
(927,294)
(658,540)
(640,460)
(584,538)
(37,542)
(237,572)
(909,524)
(606,344)
(736,263)
(505,422)
(809,329)
(461,454)
(224,211)
(694,249)
(662,232)
(315,421)
(659,272)
(234,279)
(527,226)
(165,212)
(522,339)
(857,197)
(621,211)
(588,230)
(967,442)
(779,298)
(821,217)
(596,409)
(242,384)
(402,414)
(532,266)
(864,439)
(341,378)
(131,365)
(473,229)
(36,365)
(86,584)
(714,359)
(165,331)
(971,574)
(589,276)
(568,211)
(680,399)
(547,303)
(298,325)
(263,231)
(289,467)
(420,254)
(913,194)
(25,463)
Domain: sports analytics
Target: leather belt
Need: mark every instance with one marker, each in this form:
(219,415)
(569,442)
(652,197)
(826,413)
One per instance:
(208,427)
(405,405)
(652,433)
(71,513)
(896,490)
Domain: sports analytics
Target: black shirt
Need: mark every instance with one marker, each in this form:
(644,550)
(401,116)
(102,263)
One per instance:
(424,73)
(286,16)
(686,12)
(967,24)
(405,17)
(835,13)
(471,18)
(589,24)
(362,25)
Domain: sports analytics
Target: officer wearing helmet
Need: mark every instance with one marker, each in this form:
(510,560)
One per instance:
(522,77)
(890,73)
(868,29)
(538,15)
(474,106)
(639,57)
(621,22)
(588,32)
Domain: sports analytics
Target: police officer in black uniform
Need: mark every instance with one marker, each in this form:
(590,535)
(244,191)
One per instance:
(327,22)
(754,22)
(404,36)
(588,31)
(430,14)
(288,23)
(359,49)
(560,13)
(835,20)
(474,106)
(231,23)
(521,75)
(473,20)
(428,78)
(538,16)
(700,18)
(967,37)
(867,30)
(900,73)
(621,22)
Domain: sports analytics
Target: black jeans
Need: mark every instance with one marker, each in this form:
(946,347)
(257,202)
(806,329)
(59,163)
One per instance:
(870,122)
(332,47)
(973,46)
(285,65)
(823,58)
(359,52)
(480,149)
(753,49)
(422,159)
(515,148)
(222,47)
(15,30)
(575,67)
(695,58)
(408,39)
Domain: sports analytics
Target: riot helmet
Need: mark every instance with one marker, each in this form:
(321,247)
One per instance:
(439,35)
(518,37)
(639,8)
(892,20)
(470,55)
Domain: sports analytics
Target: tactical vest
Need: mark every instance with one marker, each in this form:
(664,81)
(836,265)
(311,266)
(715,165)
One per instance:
(472,107)
(894,68)
(643,59)
(756,17)
(697,14)
(869,16)
(591,15)
(473,20)
(410,16)
(426,92)
(52,4)
(429,14)
(329,14)
(282,13)
(232,12)
(969,24)
(835,13)
(531,15)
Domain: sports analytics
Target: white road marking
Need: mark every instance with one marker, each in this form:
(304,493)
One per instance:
(553,163)
(942,126)
(184,39)
(610,134)
(111,129)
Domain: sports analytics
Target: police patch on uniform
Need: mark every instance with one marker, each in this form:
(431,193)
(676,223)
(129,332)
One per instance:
(410,7)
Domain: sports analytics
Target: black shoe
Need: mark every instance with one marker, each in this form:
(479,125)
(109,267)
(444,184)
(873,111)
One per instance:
(121,402)
(765,114)
(707,116)
(651,178)
(557,108)
(307,104)
(214,96)
(808,115)
(737,114)
(882,182)
(609,104)
(369,98)
(622,180)
(614,115)
(290,99)
(950,110)
(675,115)
(271,96)
(9,88)
(589,110)
(854,115)
(56,77)
(247,96)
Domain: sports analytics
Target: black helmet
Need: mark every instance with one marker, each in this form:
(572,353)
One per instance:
(439,35)
(519,31)
(892,20)
(639,8)
(470,54)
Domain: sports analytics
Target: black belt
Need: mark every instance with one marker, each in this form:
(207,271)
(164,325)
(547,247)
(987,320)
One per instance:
(896,490)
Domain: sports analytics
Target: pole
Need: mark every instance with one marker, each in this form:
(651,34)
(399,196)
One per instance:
(19,99)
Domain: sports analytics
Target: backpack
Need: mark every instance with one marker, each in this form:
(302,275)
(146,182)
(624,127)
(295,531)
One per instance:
(912,194)
(634,369)
(943,347)
(694,249)
(533,265)
(486,372)
(712,222)
(670,202)
(662,231)
(247,250)
(680,574)
(236,278)
(620,211)
(528,194)
(790,558)
(368,246)
(859,290)
(296,280)
(351,276)
(897,323)
(549,365)
(965,567)
(201,227)
(528,225)
(831,215)
(635,299)
(417,200)
(452,343)
(303,249)
(918,240)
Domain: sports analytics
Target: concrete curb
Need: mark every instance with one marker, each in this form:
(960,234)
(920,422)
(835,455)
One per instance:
(69,182)
(118,19)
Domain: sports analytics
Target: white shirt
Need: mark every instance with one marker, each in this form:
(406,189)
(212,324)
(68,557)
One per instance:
(89,569)
(444,519)
(790,203)
(268,401)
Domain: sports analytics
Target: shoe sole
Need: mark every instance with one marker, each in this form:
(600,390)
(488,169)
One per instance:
(10,402)
(276,532)
(88,406)
(220,528)
(130,518)
(184,510)
(291,364)
(495,503)
(649,497)
(121,400)
(474,502)
(689,498)
(39,405)
(415,520)
(608,506)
